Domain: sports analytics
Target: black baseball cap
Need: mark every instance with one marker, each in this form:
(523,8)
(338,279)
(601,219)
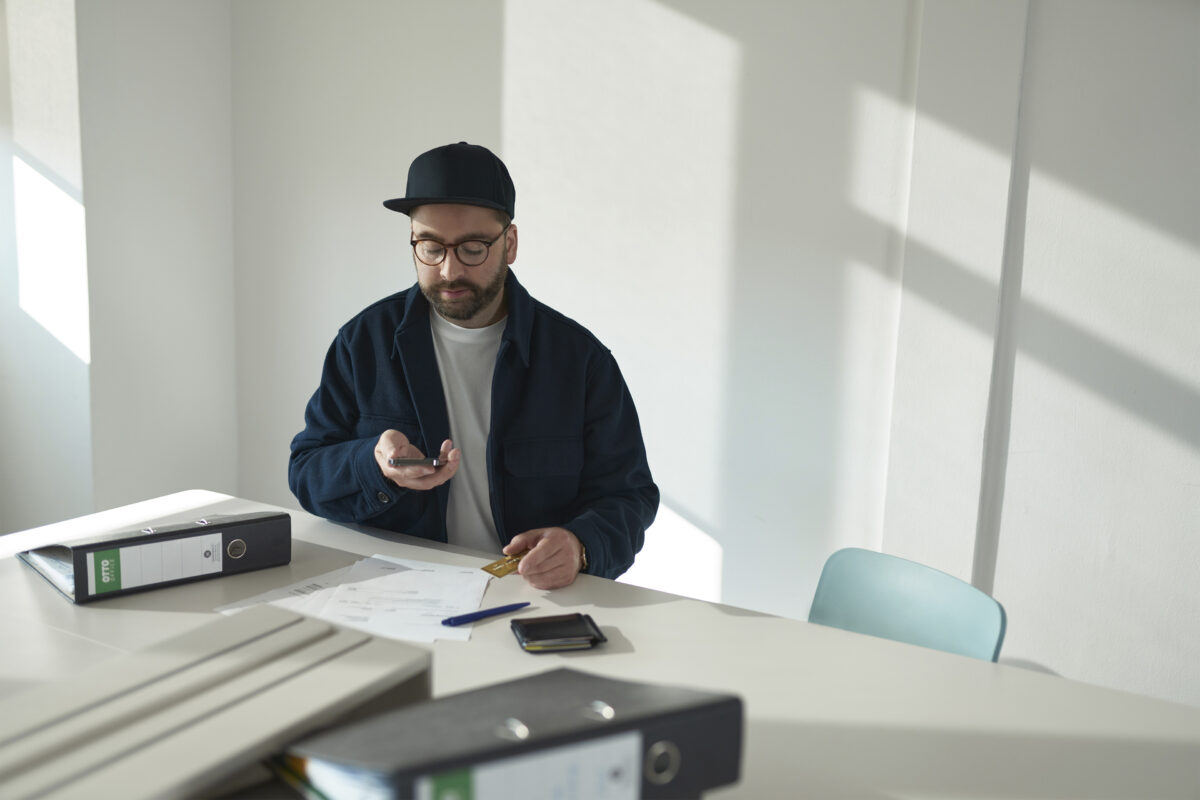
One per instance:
(458,173)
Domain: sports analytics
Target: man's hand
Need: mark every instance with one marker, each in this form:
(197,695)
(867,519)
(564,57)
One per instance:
(394,444)
(554,559)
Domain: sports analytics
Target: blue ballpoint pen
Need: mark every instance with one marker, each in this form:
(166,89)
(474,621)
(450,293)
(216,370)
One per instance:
(474,616)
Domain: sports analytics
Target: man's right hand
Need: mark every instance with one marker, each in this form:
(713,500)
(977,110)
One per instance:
(394,444)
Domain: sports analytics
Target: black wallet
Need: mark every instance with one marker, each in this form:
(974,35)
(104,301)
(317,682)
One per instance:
(557,633)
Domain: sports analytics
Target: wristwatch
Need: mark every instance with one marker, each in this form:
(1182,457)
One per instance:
(582,557)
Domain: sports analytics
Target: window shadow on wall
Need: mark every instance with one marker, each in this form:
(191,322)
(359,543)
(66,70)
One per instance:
(795,238)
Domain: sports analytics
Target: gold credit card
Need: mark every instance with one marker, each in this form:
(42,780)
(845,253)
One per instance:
(505,565)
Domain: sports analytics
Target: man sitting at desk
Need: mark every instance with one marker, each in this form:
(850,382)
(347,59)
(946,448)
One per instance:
(547,456)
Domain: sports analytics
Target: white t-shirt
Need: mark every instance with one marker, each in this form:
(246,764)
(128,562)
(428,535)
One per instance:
(466,360)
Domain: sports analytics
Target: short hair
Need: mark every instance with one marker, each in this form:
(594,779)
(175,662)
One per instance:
(503,218)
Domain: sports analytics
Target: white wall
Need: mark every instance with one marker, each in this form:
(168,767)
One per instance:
(964,135)
(1047,398)
(1100,534)
(45,416)
(837,248)
(119,382)
(332,101)
(155,121)
(696,209)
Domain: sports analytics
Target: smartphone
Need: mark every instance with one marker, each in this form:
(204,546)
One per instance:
(415,462)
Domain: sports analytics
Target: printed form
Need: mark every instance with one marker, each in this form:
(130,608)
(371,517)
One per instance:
(394,597)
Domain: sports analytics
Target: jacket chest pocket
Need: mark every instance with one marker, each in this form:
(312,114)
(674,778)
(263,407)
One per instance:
(541,480)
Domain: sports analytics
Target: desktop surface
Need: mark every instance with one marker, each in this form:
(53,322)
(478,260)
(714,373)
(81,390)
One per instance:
(828,713)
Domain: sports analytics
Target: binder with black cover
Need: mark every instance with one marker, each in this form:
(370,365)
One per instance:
(123,562)
(557,733)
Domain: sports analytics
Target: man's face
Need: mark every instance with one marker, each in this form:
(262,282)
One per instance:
(468,296)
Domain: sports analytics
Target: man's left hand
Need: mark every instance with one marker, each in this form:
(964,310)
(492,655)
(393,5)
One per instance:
(554,558)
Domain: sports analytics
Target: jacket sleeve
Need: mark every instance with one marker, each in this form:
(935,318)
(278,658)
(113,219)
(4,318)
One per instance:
(332,470)
(618,498)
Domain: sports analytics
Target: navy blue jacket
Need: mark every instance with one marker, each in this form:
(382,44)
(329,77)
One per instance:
(565,447)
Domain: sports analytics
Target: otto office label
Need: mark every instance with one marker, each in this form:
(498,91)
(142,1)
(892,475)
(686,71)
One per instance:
(105,570)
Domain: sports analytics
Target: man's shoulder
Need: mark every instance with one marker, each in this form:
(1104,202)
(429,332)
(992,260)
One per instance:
(384,315)
(557,326)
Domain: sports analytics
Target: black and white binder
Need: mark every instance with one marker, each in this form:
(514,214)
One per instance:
(114,564)
(562,733)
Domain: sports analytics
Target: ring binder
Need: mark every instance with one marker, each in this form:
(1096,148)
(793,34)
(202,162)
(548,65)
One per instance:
(566,732)
(115,564)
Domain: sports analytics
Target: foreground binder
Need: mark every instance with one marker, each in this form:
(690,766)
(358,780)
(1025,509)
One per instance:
(562,733)
(189,715)
(128,561)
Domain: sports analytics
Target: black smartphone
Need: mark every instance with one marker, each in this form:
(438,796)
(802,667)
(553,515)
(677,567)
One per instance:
(415,462)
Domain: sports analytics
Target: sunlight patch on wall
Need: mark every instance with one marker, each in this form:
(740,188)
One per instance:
(950,226)
(1105,293)
(872,185)
(679,558)
(47,170)
(956,169)
(1131,284)
(947,226)
(878,161)
(52,281)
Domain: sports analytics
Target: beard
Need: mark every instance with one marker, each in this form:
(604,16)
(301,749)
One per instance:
(465,307)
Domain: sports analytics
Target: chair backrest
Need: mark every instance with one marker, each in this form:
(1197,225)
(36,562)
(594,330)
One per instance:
(881,595)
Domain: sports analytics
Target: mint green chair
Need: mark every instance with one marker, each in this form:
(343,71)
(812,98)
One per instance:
(894,598)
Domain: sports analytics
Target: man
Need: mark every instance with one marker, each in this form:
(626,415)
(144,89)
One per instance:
(538,442)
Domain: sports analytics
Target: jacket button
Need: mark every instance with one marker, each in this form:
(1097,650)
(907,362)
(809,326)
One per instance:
(383,498)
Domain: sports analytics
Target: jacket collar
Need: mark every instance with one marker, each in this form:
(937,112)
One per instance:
(517,332)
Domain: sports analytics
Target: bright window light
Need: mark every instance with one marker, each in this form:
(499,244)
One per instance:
(52,280)
(679,558)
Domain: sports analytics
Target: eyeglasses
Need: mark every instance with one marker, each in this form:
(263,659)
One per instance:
(470,253)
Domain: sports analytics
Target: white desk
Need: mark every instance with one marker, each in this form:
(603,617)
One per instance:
(828,713)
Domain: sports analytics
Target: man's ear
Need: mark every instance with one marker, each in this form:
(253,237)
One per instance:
(511,234)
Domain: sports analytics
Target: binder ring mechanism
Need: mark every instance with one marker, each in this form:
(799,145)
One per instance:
(663,760)
(513,729)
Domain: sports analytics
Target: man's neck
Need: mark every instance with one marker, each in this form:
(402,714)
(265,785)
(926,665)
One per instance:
(500,311)
(493,313)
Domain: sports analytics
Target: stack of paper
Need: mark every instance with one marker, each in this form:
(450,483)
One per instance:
(395,597)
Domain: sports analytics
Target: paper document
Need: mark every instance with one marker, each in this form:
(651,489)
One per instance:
(360,570)
(56,563)
(393,597)
(408,605)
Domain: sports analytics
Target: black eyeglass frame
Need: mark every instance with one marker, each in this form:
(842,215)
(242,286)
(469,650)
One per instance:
(446,248)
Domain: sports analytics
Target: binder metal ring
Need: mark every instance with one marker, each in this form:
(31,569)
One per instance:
(663,760)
